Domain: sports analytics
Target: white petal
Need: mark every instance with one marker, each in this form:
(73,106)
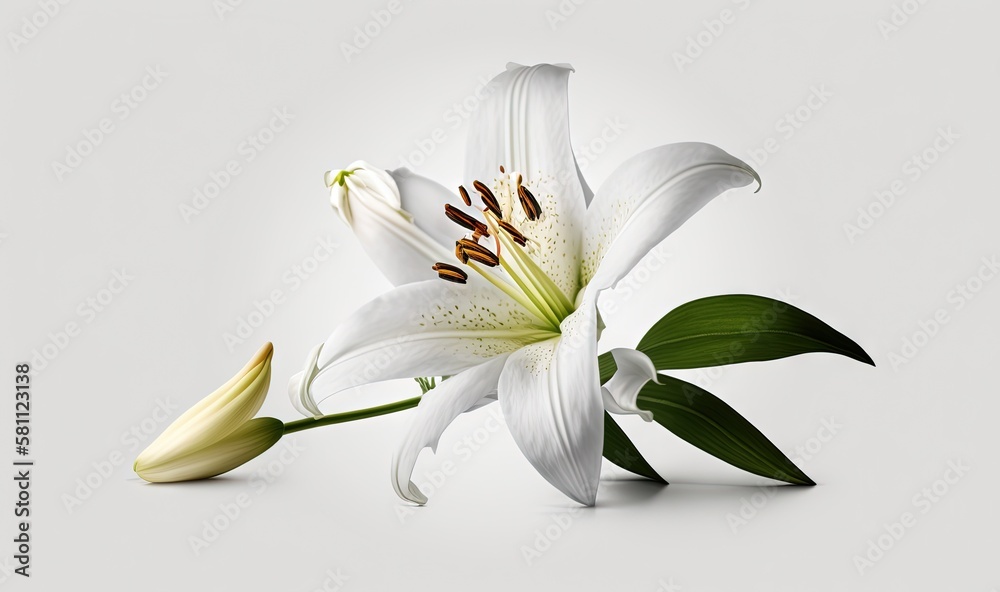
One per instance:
(523,124)
(432,328)
(550,393)
(424,199)
(437,409)
(298,385)
(647,198)
(218,415)
(635,369)
(370,202)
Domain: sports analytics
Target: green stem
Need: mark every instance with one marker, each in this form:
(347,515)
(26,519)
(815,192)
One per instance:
(315,422)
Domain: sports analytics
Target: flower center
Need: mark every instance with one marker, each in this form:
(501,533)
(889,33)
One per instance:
(505,259)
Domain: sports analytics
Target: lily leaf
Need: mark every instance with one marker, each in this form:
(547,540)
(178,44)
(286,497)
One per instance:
(706,421)
(620,450)
(606,365)
(735,328)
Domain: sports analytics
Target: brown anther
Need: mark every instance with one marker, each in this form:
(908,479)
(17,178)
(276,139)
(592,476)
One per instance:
(528,203)
(465,195)
(519,179)
(489,200)
(514,233)
(460,252)
(450,273)
(461,218)
(478,252)
(501,170)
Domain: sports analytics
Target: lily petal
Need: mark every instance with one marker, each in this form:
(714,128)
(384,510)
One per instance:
(437,409)
(219,414)
(424,199)
(370,202)
(648,197)
(245,443)
(431,328)
(523,124)
(550,394)
(635,369)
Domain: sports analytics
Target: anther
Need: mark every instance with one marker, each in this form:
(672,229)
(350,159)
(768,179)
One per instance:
(478,252)
(450,273)
(513,232)
(501,170)
(489,200)
(461,218)
(528,203)
(460,252)
(465,195)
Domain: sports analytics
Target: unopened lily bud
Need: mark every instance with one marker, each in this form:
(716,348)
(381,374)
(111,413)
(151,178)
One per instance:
(218,434)
(374,204)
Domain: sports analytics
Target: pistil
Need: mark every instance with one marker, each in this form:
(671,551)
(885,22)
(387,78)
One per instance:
(527,284)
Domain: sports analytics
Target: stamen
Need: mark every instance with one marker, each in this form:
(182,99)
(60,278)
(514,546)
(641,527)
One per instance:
(514,233)
(450,273)
(465,195)
(528,203)
(501,170)
(461,218)
(478,252)
(489,200)
(460,252)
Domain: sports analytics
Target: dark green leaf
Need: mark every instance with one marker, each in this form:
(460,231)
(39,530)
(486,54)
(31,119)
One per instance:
(736,328)
(606,365)
(704,420)
(621,451)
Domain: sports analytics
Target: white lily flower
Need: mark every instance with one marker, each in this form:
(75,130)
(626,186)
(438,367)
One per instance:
(217,434)
(518,318)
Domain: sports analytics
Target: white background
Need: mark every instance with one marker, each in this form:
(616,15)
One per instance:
(331,509)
